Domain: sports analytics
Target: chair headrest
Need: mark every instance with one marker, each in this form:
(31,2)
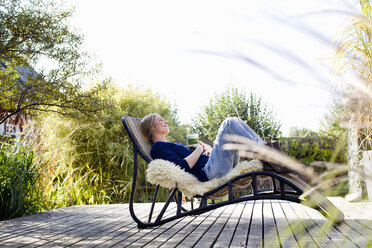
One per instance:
(133,128)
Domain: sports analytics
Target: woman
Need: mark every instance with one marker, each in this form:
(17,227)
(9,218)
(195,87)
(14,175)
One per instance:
(204,162)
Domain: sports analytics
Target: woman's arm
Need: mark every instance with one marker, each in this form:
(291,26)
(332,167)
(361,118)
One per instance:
(194,156)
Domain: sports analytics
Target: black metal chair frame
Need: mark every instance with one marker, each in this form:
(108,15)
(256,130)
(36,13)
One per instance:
(287,190)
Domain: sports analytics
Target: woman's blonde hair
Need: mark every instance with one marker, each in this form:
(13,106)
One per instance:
(147,124)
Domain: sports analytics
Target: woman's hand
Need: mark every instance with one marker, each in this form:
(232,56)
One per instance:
(207,149)
(200,148)
(196,146)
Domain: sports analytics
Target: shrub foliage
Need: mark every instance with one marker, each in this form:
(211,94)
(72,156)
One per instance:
(236,103)
(19,191)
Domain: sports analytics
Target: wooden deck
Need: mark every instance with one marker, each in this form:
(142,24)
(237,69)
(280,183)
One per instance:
(267,223)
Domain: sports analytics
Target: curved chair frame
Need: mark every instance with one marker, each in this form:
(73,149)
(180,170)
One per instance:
(290,189)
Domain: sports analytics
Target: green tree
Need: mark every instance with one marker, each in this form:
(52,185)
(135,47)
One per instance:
(42,60)
(236,103)
(300,132)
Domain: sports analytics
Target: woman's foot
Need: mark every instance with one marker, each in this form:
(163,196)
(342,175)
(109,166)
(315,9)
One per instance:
(273,167)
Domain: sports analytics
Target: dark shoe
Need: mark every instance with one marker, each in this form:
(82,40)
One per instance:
(276,167)
(267,167)
(275,145)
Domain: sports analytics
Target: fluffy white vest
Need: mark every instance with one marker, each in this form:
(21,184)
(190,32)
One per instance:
(168,175)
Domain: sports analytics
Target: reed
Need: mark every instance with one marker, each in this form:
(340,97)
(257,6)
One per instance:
(354,66)
(89,160)
(20,193)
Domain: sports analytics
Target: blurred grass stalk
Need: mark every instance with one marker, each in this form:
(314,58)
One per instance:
(352,79)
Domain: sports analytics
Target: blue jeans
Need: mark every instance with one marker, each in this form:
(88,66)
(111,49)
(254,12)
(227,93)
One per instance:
(222,161)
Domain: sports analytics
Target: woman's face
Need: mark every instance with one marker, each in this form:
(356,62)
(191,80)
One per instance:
(160,126)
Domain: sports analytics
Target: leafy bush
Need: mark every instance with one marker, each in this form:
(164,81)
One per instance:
(236,103)
(19,191)
(325,153)
(313,148)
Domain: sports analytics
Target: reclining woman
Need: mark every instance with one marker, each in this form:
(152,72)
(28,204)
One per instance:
(204,162)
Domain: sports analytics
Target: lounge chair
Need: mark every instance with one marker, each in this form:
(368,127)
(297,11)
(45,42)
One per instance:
(244,183)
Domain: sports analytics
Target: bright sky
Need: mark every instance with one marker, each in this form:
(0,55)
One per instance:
(279,50)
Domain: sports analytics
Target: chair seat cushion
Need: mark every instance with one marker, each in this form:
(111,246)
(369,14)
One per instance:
(168,175)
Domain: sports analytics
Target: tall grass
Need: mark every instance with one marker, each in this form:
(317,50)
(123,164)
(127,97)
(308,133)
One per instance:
(80,163)
(20,193)
(354,63)
(90,160)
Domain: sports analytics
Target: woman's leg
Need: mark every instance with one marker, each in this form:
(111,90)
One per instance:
(222,161)
(249,131)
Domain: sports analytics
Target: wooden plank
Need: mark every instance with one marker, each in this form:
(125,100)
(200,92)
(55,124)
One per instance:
(37,221)
(302,235)
(164,233)
(116,236)
(186,230)
(227,233)
(19,242)
(48,230)
(126,234)
(316,233)
(270,238)
(127,228)
(90,228)
(82,233)
(351,235)
(335,233)
(8,226)
(168,235)
(211,235)
(325,226)
(105,234)
(316,199)
(193,238)
(365,223)
(255,236)
(241,235)
(76,228)
(359,228)
(148,236)
(286,236)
